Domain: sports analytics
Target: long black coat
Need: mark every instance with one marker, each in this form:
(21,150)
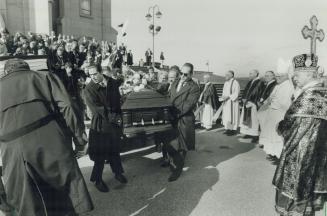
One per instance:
(105,132)
(184,102)
(113,94)
(43,157)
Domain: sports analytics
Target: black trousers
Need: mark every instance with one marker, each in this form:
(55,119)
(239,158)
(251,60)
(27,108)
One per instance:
(115,164)
(176,157)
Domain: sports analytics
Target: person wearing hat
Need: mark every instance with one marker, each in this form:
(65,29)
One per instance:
(37,125)
(301,176)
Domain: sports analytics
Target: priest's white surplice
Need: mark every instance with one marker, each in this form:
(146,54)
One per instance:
(231,109)
(271,114)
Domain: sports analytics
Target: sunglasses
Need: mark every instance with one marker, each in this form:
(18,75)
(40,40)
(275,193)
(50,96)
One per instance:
(183,74)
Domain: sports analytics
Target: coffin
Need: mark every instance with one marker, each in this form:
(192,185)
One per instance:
(36,63)
(146,112)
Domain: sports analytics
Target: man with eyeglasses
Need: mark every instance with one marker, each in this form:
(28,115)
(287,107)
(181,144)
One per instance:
(184,94)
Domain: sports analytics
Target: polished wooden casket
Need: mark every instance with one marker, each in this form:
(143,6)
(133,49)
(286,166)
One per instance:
(146,112)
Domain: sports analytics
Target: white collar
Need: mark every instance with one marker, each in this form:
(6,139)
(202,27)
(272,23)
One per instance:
(310,84)
(255,79)
(230,80)
(271,82)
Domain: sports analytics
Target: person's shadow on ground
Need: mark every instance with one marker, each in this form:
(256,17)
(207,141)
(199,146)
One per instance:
(149,193)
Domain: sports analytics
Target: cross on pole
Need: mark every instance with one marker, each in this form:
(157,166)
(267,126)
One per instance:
(313,33)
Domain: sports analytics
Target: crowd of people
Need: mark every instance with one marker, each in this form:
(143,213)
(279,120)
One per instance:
(283,112)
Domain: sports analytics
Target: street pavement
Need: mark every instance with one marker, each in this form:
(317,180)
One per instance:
(225,176)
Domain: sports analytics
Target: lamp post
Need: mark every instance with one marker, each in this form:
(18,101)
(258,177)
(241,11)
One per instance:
(153,29)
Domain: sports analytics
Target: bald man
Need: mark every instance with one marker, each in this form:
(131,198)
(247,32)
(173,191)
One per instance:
(231,113)
(249,124)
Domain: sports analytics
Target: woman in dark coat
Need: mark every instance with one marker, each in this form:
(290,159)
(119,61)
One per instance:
(105,132)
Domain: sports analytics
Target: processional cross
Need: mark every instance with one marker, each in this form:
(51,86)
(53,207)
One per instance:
(313,33)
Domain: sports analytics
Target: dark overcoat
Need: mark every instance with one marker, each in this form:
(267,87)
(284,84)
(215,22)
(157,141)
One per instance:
(105,132)
(184,102)
(40,172)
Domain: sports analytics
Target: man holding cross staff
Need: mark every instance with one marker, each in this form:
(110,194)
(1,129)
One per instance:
(301,176)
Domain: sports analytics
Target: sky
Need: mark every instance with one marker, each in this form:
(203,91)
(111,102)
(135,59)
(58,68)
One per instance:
(240,35)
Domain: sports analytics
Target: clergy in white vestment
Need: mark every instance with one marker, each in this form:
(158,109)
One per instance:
(209,101)
(231,109)
(249,123)
(272,112)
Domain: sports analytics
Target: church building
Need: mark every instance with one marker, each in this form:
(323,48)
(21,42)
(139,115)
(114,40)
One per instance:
(90,18)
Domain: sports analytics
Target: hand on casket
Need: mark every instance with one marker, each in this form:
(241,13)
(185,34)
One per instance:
(80,151)
(115,119)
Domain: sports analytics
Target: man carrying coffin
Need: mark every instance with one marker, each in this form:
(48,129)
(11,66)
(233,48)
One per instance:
(249,124)
(301,176)
(38,121)
(105,132)
(209,99)
(184,95)
(230,105)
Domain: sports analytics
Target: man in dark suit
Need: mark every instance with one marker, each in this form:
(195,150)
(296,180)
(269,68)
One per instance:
(104,136)
(184,94)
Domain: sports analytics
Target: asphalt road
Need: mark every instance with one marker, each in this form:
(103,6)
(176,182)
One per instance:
(225,176)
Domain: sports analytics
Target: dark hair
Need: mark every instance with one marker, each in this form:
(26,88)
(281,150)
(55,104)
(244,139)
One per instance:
(189,65)
(94,66)
(68,64)
(175,68)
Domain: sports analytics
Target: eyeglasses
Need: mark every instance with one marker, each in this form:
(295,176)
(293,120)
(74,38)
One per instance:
(183,74)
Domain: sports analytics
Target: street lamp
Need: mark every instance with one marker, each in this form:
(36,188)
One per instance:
(153,29)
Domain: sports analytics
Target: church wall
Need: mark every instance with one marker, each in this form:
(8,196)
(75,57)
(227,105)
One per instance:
(25,15)
(97,25)
(36,16)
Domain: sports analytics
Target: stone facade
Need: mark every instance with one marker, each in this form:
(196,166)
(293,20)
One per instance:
(62,16)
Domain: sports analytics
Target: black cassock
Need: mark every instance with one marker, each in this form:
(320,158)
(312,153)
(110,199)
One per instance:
(267,90)
(252,93)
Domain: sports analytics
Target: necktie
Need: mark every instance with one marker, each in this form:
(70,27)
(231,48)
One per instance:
(180,84)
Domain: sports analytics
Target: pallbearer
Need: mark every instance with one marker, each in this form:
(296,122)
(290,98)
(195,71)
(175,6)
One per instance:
(38,121)
(105,132)
(231,111)
(184,94)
